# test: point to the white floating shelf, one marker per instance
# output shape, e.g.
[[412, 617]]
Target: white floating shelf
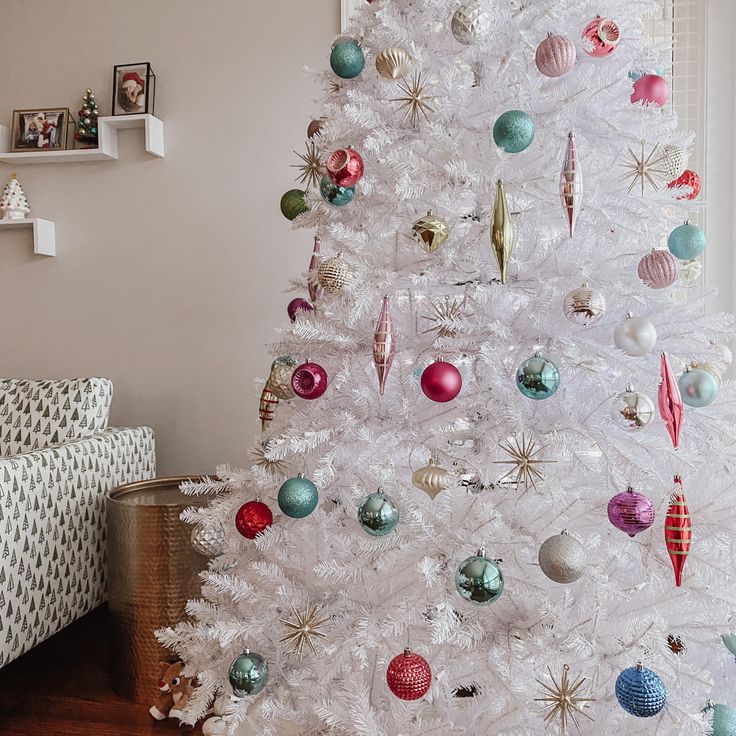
[[44, 234], [107, 128]]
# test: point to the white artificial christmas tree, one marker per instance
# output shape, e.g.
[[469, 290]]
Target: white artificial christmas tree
[[13, 201], [467, 112]]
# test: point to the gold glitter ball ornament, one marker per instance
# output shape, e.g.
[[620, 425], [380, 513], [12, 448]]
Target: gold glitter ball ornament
[[334, 274], [584, 305], [394, 63], [430, 231]]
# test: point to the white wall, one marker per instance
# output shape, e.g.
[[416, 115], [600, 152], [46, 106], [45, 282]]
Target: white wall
[[169, 272]]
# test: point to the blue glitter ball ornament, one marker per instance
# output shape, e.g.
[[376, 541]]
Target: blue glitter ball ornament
[[537, 377], [724, 720], [640, 691], [479, 580], [378, 514], [347, 59], [686, 242], [248, 674], [335, 195], [513, 131], [298, 497], [698, 387]]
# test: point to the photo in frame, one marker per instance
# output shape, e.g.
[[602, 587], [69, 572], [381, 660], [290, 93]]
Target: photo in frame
[[133, 89], [42, 129]]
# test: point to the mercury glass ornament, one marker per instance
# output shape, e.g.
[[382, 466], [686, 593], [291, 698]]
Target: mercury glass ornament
[[513, 131], [632, 410], [562, 558], [430, 231], [537, 377], [584, 305], [640, 691], [334, 274], [471, 23], [698, 387], [686, 241], [279, 381], [636, 336], [334, 194], [479, 580], [208, 539], [298, 497], [293, 204], [394, 63], [432, 478], [347, 58], [248, 674], [378, 514]]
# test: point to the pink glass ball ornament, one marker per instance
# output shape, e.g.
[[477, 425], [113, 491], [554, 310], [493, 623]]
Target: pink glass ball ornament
[[345, 167], [659, 269], [651, 89], [555, 56], [309, 380], [441, 381], [631, 512], [298, 305], [601, 36]]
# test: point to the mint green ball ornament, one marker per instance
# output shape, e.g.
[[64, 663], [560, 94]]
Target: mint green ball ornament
[[293, 204], [698, 387], [686, 241], [513, 131], [336, 195], [537, 377], [479, 580], [347, 59], [378, 514], [298, 497], [248, 674], [724, 720]]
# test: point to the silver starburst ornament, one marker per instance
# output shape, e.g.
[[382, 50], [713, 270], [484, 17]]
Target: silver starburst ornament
[[414, 99], [304, 628], [311, 169], [564, 700], [571, 184], [645, 168], [524, 457]]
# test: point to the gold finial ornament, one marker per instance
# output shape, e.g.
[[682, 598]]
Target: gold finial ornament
[[502, 231]]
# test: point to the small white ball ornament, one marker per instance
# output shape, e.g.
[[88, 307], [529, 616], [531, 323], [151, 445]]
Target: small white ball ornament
[[562, 558], [636, 336]]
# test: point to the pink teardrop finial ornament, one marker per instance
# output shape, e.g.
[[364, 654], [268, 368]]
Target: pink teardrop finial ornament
[[670, 401], [571, 184], [315, 290], [384, 345]]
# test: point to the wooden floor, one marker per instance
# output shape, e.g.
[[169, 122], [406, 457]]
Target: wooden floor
[[61, 688]]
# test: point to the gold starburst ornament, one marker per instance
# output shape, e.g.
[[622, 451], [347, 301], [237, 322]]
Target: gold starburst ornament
[[414, 99], [303, 628], [524, 458], [261, 458], [311, 169], [645, 168], [565, 699], [444, 316]]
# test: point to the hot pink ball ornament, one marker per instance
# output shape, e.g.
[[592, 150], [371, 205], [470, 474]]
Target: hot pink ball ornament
[[441, 381], [659, 269], [601, 36], [686, 186], [345, 167], [298, 305], [555, 56], [650, 89], [309, 380], [631, 512]]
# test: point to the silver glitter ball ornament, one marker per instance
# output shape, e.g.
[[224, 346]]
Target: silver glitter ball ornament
[[562, 558], [208, 540], [584, 306], [471, 23], [632, 410]]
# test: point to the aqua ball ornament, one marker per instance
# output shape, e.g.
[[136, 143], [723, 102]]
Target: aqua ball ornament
[[640, 692], [334, 194], [248, 674], [298, 497], [347, 59], [686, 242], [479, 580], [724, 720], [378, 514], [513, 131], [698, 387], [538, 377]]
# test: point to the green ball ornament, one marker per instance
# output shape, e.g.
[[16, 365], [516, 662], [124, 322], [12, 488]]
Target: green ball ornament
[[248, 674], [298, 497], [293, 204], [724, 720], [513, 131], [698, 387], [479, 580], [347, 59], [378, 514], [686, 242], [538, 377]]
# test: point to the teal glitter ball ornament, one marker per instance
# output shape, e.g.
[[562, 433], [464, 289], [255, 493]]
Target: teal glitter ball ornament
[[686, 242], [513, 131], [640, 691], [698, 387], [293, 204], [723, 721], [538, 377], [378, 514], [298, 497], [479, 580], [248, 674], [334, 194], [347, 59]]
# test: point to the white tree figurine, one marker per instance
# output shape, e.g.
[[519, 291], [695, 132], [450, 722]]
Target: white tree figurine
[[13, 201]]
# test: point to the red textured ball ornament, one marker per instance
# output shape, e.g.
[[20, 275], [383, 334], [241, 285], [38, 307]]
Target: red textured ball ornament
[[651, 89], [409, 676], [686, 186], [252, 518], [345, 167], [309, 381], [441, 381]]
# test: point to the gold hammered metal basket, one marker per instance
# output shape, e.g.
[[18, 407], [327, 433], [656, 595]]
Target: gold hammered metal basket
[[152, 570]]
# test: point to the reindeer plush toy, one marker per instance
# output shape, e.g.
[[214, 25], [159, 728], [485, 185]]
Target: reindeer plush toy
[[174, 692]]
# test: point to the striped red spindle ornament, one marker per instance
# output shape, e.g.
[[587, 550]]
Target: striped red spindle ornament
[[678, 530]]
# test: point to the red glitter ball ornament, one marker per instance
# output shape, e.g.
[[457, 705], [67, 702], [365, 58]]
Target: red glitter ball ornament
[[345, 167], [252, 518], [687, 186], [409, 676], [441, 381], [309, 381]]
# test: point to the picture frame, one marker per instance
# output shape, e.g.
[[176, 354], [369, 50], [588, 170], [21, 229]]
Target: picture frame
[[40, 129], [133, 89]]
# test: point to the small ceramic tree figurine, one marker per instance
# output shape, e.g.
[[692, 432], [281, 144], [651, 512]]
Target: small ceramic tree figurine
[[86, 131], [13, 202]]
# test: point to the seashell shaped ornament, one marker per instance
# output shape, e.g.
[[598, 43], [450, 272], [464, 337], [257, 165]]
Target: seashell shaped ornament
[[471, 23], [584, 306], [432, 479], [334, 274], [394, 63], [659, 269], [555, 56]]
